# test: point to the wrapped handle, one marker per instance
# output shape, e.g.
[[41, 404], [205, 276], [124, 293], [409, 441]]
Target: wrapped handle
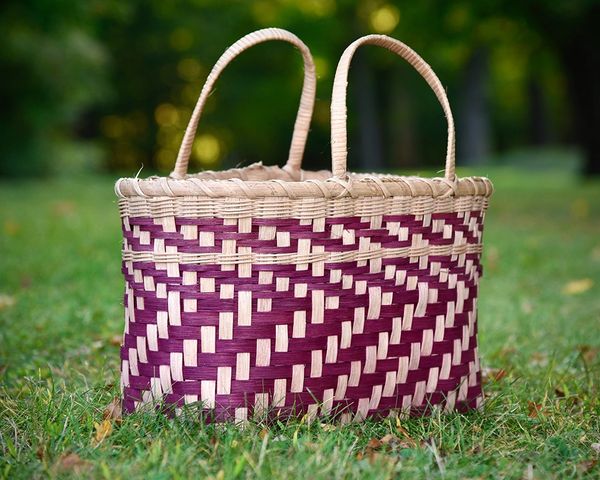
[[339, 136], [305, 110]]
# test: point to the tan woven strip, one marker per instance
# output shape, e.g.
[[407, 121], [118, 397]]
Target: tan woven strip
[[295, 259], [339, 150], [362, 186], [301, 208], [305, 110]]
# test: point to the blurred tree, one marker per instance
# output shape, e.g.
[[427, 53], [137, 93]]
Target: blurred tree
[[571, 28], [53, 68], [474, 121], [124, 76]]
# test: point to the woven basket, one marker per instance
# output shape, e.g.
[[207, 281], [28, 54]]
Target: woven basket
[[267, 289]]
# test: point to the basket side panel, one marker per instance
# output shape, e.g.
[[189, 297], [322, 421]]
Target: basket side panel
[[352, 315]]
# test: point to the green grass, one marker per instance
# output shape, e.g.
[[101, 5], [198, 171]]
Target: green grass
[[60, 269]]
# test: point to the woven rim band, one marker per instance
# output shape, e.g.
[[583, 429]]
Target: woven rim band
[[305, 110]]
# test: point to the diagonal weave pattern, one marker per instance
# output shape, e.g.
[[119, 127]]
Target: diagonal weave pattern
[[365, 314]]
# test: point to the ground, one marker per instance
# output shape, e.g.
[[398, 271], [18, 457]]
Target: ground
[[61, 315]]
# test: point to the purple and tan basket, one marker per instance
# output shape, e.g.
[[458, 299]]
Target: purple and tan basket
[[267, 289]]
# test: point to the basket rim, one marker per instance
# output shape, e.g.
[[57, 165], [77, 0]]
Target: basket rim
[[278, 182]]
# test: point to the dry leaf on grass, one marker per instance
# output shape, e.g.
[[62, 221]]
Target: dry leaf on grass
[[71, 462], [539, 359], [328, 427], [535, 409], [390, 439], [113, 411], [586, 466], [580, 208], [11, 228], [116, 340], [6, 301], [394, 442], [492, 374], [374, 443], [63, 208], [575, 287], [492, 257], [103, 430], [387, 442], [40, 453], [406, 436], [526, 307], [588, 352]]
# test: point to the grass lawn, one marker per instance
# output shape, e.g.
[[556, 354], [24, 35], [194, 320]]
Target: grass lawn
[[60, 311]]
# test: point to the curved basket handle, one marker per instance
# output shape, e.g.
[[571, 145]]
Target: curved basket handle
[[305, 110], [339, 134]]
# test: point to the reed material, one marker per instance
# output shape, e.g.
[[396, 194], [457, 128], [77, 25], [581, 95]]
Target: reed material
[[267, 289]]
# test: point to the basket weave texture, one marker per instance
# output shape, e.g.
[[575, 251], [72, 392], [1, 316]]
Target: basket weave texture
[[267, 289]]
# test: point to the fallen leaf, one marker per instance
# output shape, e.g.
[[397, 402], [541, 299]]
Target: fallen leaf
[[492, 374], [394, 442], [587, 466], [11, 228], [40, 453], [402, 431], [539, 359], [588, 352], [535, 409], [113, 411], [374, 456], [526, 307], [374, 443], [71, 462], [328, 427], [575, 287], [359, 456], [595, 447], [506, 352], [580, 208], [103, 430], [63, 208], [492, 256], [6, 301], [116, 340], [560, 393]]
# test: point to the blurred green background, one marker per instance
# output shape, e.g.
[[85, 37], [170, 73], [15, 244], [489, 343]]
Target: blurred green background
[[101, 85]]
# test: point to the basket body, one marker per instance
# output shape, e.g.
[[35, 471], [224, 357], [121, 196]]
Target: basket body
[[362, 306], [278, 290]]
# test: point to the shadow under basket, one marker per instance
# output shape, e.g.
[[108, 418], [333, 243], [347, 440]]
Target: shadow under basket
[[281, 291]]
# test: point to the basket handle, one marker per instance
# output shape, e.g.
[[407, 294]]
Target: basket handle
[[339, 135], [305, 110]]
